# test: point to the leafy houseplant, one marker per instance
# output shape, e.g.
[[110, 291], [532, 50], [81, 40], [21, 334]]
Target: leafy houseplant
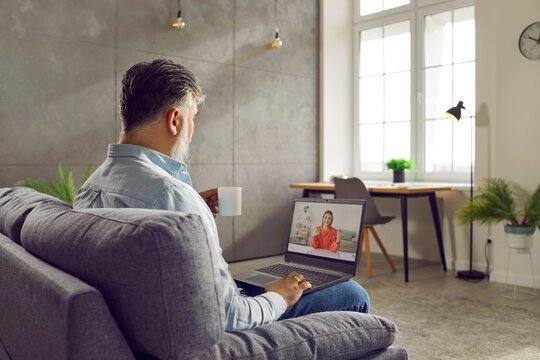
[[496, 204], [398, 166], [63, 188]]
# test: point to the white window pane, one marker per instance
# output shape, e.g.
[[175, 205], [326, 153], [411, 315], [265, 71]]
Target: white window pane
[[370, 6], [438, 39], [464, 89], [397, 97], [390, 4], [438, 146], [438, 89], [397, 47], [464, 34], [371, 100], [371, 52], [462, 145], [371, 148], [397, 141]]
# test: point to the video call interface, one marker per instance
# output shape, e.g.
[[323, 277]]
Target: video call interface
[[326, 229]]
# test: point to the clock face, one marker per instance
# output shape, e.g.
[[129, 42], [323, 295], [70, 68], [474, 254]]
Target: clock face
[[529, 41]]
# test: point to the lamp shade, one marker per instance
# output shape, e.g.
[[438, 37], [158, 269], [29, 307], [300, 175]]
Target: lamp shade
[[454, 113]]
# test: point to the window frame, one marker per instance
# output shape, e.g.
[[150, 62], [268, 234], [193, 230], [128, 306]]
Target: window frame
[[415, 13]]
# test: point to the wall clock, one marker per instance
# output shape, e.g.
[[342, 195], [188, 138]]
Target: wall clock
[[529, 41]]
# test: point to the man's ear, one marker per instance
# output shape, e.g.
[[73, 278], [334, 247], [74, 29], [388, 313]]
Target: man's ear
[[174, 121]]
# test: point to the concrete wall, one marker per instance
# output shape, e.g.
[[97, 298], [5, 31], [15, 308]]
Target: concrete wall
[[62, 62]]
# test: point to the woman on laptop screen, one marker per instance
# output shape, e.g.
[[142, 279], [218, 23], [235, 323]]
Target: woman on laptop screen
[[325, 236]]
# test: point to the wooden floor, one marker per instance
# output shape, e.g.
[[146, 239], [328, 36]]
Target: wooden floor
[[422, 275]]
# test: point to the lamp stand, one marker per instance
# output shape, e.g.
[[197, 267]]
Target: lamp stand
[[471, 274]]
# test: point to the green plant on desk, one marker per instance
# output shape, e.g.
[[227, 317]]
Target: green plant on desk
[[63, 188], [399, 164]]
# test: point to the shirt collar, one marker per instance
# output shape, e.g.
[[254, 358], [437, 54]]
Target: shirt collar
[[174, 168]]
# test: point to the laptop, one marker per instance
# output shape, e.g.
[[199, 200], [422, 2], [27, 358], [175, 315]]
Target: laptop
[[319, 258]]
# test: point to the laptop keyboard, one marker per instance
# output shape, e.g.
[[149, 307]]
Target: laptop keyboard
[[314, 277]]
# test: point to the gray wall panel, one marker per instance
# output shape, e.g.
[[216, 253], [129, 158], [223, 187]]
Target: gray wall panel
[[55, 104], [264, 226], [299, 31], [208, 35], [65, 19], [275, 118]]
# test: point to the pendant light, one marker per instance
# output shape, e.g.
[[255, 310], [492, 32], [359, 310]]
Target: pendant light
[[178, 23], [276, 43]]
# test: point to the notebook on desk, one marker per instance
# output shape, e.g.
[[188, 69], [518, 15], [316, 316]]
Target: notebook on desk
[[324, 253]]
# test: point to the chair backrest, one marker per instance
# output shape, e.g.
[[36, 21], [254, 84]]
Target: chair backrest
[[354, 188]]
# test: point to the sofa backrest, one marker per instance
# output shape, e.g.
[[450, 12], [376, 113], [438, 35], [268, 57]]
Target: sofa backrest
[[156, 270], [48, 314], [15, 205]]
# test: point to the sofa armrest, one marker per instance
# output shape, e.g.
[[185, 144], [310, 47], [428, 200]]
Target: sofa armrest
[[335, 335]]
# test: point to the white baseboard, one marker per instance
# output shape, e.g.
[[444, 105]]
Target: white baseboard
[[496, 275], [464, 265], [519, 279]]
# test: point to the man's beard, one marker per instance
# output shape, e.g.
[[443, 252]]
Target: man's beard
[[180, 150]]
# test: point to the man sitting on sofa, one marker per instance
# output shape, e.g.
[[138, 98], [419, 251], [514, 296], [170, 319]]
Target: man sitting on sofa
[[147, 169]]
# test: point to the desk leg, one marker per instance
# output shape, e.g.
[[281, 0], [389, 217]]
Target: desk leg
[[405, 235], [436, 221]]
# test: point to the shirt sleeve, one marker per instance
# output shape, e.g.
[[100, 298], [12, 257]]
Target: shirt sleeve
[[246, 312], [241, 312], [315, 240], [334, 246]]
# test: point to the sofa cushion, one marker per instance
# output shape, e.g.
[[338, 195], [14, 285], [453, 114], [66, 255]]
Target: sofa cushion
[[15, 205], [325, 335], [156, 270], [48, 314]]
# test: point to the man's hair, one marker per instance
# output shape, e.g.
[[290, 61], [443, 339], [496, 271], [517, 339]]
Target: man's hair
[[151, 88]]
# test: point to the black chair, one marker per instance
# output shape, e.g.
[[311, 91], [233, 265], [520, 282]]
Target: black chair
[[354, 188]]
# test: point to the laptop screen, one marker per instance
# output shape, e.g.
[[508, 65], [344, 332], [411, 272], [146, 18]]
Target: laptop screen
[[326, 229]]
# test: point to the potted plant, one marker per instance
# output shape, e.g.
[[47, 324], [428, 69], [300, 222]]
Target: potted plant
[[399, 166], [496, 204], [63, 189]]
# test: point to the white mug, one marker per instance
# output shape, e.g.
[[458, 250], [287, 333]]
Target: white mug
[[230, 201]]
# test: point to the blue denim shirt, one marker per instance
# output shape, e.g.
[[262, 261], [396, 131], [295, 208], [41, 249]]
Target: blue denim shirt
[[138, 177]]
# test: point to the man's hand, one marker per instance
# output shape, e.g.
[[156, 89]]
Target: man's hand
[[211, 199], [290, 288]]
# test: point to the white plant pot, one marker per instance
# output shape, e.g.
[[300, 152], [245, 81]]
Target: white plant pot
[[518, 238]]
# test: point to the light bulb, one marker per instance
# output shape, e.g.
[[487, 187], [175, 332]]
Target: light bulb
[[276, 43], [179, 23]]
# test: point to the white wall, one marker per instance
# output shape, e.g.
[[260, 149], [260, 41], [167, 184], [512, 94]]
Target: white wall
[[335, 88], [508, 93], [508, 121]]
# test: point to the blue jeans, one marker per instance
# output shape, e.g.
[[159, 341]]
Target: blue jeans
[[345, 296]]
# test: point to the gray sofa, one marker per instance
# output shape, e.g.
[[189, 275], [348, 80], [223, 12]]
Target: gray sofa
[[141, 284]]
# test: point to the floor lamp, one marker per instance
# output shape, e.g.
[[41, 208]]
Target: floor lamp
[[454, 114]]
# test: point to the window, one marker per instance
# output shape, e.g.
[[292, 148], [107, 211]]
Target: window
[[368, 7], [384, 94], [402, 94]]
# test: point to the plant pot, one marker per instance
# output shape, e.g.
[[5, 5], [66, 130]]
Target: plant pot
[[518, 238], [399, 176]]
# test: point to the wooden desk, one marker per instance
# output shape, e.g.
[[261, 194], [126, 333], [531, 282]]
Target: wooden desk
[[403, 193]]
